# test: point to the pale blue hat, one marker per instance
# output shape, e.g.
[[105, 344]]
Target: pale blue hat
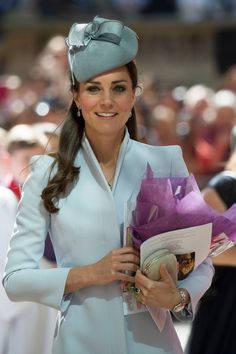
[[99, 46]]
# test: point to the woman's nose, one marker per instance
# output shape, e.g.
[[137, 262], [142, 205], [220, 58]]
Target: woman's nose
[[107, 99]]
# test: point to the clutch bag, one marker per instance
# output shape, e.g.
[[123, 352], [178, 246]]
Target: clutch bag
[[151, 264]]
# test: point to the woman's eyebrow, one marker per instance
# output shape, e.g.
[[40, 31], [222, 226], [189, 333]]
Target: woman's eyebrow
[[93, 82], [118, 81]]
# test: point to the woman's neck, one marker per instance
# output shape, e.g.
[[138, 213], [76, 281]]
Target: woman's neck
[[106, 150], [106, 147]]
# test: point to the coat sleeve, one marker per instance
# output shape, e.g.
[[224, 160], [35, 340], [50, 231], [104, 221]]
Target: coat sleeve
[[23, 279]]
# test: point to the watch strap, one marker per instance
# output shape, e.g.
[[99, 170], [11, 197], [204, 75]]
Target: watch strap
[[183, 300]]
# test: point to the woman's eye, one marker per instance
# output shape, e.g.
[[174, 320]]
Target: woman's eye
[[93, 89], [119, 88]]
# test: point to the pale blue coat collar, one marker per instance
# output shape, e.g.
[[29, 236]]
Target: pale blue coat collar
[[93, 162]]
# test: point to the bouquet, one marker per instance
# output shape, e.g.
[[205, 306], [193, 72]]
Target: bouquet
[[170, 214], [175, 203]]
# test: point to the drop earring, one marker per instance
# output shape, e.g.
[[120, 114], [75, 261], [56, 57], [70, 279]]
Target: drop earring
[[130, 114], [78, 113]]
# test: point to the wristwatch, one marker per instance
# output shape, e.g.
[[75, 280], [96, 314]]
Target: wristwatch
[[183, 300]]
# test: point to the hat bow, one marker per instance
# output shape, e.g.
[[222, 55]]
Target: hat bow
[[99, 29]]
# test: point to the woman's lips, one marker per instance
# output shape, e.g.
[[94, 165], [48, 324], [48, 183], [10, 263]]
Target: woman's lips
[[108, 115]]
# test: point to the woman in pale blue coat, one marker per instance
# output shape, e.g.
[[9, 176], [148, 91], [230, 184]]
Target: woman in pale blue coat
[[79, 196]]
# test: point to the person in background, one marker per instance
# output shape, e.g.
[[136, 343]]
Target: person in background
[[22, 142], [199, 155], [219, 129], [9, 311], [3, 154], [51, 130], [78, 195], [213, 327], [164, 124], [23, 319]]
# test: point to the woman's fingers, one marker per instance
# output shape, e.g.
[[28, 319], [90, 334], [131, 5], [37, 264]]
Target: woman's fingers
[[118, 264], [161, 293], [131, 267], [126, 258], [126, 250]]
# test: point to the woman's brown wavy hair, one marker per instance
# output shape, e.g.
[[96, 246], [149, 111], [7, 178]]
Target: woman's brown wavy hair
[[69, 145]]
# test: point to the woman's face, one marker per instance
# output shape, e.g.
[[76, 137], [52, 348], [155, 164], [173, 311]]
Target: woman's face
[[106, 101]]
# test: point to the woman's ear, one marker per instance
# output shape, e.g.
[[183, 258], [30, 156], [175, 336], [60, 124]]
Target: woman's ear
[[76, 98], [77, 102]]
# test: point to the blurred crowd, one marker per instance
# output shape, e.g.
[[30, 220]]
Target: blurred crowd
[[190, 10], [198, 118]]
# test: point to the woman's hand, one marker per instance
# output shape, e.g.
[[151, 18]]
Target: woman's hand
[[162, 293], [118, 264]]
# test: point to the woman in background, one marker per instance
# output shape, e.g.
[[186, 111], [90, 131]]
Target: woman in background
[[213, 329]]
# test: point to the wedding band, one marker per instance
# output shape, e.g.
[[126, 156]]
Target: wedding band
[[137, 291]]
